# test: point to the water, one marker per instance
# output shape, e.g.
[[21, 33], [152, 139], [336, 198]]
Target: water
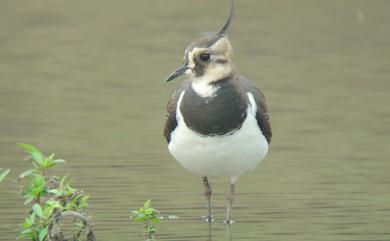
[[84, 79]]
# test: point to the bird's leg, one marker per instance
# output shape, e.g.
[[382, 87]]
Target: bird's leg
[[207, 193], [230, 199]]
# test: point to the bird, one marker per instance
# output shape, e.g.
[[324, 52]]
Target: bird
[[217, 120]]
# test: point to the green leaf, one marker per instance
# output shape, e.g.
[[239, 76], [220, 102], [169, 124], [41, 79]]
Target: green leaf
[[49, 207], [37, 186], [83, 202], [54, 191], [62, 182], [50, 158], [147, 204], [28, 200], [47, 163], [28, 222], [58, 161], [138, 217], [38, 181], [69, 190], [156, 220], [37, 210], [47, 211], [27, 148], [42, 234], [53, 203], [34, 152], [84, 198], [3, 174], [25, 174], [77, 198], [26, 233]]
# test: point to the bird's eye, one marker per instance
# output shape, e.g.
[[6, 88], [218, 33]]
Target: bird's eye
[[205, 57]]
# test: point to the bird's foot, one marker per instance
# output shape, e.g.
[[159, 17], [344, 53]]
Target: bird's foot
[[228, 222], [208, 219]]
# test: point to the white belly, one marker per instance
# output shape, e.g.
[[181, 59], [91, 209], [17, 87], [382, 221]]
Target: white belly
[[229, 155]]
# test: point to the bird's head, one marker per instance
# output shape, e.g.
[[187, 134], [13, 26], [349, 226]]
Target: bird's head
[[209, 58]]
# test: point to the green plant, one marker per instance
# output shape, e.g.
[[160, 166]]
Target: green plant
[[3, 174], [49, 197], [147, 215]]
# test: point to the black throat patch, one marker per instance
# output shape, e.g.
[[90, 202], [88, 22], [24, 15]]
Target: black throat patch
[[217, 115]]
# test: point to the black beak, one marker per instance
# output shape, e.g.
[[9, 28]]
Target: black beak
[[179, 72]]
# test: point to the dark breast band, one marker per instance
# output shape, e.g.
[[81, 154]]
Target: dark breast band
[[214, 116]]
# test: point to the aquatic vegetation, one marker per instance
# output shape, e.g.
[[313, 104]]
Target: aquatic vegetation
[[3, 174], [51, 198], [147, 215]]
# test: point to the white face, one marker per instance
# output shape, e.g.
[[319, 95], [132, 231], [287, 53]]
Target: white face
[[210, 64]]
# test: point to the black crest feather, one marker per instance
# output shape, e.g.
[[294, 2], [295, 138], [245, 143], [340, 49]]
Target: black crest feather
[[229, 20]]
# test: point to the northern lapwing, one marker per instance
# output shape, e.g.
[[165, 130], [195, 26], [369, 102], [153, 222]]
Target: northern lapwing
[[217, 121]]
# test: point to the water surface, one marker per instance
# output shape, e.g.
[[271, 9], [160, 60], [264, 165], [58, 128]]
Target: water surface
[[85, 79]]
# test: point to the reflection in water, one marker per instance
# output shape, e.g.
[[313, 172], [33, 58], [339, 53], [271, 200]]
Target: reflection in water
[[209, 231], [229, 236], [229, 232]]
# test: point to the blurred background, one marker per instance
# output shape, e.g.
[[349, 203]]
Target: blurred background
[[85, 79]]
